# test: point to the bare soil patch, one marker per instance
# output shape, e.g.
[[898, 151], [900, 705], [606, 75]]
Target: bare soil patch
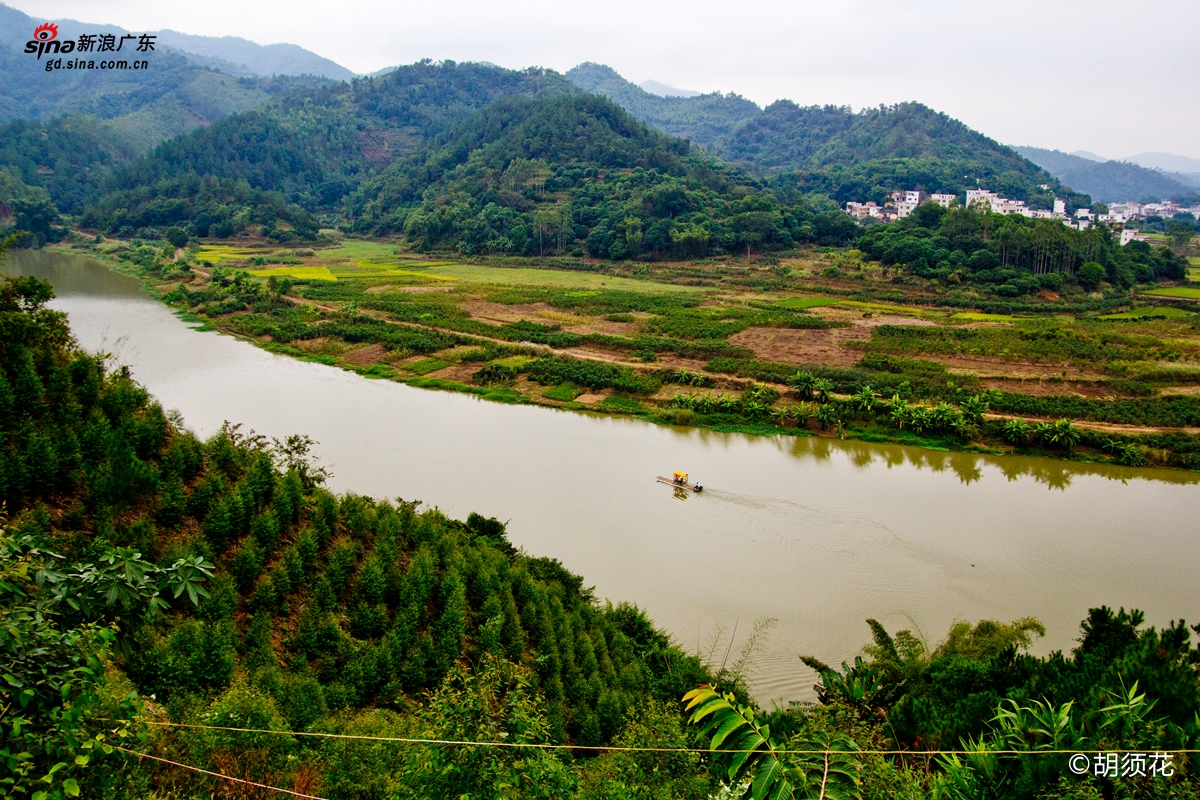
[[1180, 390], [590, 398], [812, 346], [800, 346], [1041, 388], [455, 372], [988, 366], [368, 354]]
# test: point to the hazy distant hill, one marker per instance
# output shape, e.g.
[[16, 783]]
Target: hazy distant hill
[[832, 150], [269, 59], [666, 90], [1108, 181], [705, 119], [1167, 162], [147, 106]]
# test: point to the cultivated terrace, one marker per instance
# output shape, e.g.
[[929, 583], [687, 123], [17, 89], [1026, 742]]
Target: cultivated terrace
[[811, 341]]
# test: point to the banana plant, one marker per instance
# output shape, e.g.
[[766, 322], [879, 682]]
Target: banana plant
[[1016, 430], [804, 385], [814, 768], [822, 388], [865, 399]]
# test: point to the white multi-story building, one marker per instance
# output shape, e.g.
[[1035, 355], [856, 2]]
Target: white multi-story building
[[943, 200], [980, 196], [1060, 207]]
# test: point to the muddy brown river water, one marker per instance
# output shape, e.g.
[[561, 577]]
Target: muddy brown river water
[[818, 534]]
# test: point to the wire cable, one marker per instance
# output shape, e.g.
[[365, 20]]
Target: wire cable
[[219, 775], [624, 749]]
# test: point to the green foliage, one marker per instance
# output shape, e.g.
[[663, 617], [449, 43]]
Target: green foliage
[[1012, 255], [535, 176], [816, 767]]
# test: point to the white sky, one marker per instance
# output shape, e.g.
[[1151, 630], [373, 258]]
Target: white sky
[[1116, 78]]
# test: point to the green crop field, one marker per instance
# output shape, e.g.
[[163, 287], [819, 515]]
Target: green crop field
[[1149, 311], [806, 302], [300, 272], [1176, 291], [971, 316]]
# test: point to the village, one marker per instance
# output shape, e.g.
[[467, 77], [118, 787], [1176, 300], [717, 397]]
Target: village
[[1118, 215]]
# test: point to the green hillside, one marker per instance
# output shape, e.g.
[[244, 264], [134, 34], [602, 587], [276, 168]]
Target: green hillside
[[307, 150], [532, 176], [832, 151]]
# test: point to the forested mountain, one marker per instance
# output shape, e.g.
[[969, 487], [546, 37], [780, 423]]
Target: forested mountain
[[535, 175], [832, 151], [309, 149], [1108, 181]]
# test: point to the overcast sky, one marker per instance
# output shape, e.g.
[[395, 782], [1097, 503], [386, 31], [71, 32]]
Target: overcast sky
[[1116, 78]]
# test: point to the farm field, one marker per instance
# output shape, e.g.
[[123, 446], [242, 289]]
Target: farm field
[[759, 347]]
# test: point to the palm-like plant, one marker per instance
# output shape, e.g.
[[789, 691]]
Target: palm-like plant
[[973, 408], [865, 399], [901, 414], [827, 415], [727, 403], [940, 416], [823, 767], [804, 384], [1063, 434], [822, 388], [754, 409], [1016, 430]]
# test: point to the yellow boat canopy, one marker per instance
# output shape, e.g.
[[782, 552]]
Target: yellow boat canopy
[[681, 476]]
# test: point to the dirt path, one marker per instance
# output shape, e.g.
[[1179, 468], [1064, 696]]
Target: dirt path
[[1107, 427]]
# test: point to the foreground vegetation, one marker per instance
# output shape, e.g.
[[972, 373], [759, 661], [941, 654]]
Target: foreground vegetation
[[160, 595]]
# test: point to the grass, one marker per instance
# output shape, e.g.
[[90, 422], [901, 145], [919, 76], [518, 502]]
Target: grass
[[566, 392], [1176, 291], [526, 276], [806, 302], [913, 310], [299, 272], [972, 316], [621, 404], [1149, 311]]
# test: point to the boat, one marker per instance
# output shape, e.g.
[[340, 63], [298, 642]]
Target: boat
[[680, 480]]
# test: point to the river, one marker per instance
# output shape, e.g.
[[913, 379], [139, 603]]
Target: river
[[819, 534]]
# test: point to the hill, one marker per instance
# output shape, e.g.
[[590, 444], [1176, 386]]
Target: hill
[[705, 120], [1108, 181], [530, 176], [310, 148], [259, 59], [143, 107], [832, 151]]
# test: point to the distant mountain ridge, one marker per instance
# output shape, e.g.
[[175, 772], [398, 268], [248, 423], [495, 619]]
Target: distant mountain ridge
[[1109, 181], [229, 52], [830, 149]]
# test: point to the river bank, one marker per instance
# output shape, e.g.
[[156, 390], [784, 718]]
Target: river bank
[[681, 355]]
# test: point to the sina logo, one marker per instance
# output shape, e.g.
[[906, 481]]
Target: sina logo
[[45, 32]]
